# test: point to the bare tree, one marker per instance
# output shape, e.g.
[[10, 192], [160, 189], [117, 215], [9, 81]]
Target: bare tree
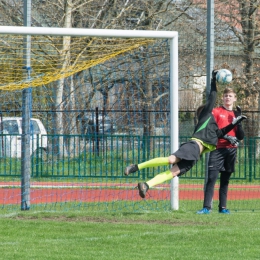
[[242, 17], [187, 17]]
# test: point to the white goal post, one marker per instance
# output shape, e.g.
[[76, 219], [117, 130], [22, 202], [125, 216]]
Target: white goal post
[[173, 41]]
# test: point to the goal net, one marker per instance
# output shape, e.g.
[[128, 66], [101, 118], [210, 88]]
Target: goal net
[[100, 100]]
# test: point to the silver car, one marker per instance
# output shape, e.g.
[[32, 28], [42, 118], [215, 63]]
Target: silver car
[[105, 125]]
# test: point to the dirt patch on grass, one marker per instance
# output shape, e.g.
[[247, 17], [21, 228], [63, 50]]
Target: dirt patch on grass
[[93, 219]]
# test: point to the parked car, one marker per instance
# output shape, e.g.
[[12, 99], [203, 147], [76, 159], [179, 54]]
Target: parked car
[[105, 125], [11, 136]]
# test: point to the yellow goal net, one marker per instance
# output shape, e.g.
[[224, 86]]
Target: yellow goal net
[[53, 58]]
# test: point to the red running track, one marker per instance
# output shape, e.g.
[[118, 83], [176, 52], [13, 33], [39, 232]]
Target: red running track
[[96, 192]]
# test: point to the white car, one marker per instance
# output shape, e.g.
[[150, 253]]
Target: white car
[[11, 137]]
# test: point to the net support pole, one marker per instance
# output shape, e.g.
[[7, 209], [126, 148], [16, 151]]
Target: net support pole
[[210, 42], [26, 115], [210, 64], [174, 115]]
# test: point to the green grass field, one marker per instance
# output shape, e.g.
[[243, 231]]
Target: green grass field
[[128, 235]]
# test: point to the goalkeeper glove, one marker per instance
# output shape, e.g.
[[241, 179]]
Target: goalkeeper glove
[[232, 139], [214, 73], [238, 120], [238, 112]]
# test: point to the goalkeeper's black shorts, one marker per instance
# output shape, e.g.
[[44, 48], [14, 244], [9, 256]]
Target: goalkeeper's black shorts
[[223, 159], [189, 153]]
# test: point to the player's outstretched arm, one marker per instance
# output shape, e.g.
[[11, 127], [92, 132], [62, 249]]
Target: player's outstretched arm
[[213, 93], [223, 131]]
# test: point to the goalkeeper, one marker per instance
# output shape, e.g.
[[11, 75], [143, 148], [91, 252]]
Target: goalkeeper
[[204, 139], [223, 159]]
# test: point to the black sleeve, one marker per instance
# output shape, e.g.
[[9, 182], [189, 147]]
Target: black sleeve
[[223, 131], [240, 132], [212, 97]]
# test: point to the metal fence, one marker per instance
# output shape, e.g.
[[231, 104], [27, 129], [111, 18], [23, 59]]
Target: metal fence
[[107, 156]]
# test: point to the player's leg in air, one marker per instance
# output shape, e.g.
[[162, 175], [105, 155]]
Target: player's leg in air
[[159, 178], [182, 160], [159, 161]]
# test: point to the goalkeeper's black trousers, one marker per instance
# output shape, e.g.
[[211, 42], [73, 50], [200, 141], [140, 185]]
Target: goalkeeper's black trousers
[[223, 189], [221, 160]]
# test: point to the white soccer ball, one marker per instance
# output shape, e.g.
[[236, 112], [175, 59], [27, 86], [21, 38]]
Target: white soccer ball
[[224, 76]]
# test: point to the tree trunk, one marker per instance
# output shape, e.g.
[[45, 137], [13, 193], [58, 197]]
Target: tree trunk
[[65, 59]]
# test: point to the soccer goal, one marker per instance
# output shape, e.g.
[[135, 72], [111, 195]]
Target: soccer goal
[[106, 97]]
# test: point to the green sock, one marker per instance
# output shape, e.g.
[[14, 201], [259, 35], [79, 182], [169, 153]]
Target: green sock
[[159, 161], [160, 178]]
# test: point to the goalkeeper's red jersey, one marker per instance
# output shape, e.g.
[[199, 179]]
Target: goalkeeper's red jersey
[[224, 117]]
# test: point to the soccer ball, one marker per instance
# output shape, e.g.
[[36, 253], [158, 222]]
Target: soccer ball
[[224, 76]]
